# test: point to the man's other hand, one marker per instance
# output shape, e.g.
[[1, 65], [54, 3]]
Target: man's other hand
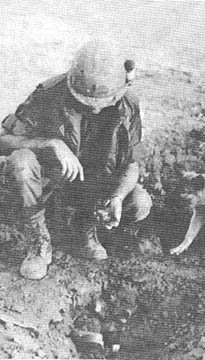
[[111, 214], [71, 166]]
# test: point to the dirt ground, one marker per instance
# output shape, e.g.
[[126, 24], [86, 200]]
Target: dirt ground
[[142, 303]]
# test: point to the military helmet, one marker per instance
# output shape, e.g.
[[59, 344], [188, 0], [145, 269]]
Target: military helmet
[[98, 74]]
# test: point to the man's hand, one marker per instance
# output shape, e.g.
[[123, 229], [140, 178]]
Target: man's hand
[[71, 166], [110, 216]]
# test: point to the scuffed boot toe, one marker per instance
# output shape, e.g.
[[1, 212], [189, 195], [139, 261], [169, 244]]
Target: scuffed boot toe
[[93, 249], [94, 252], [34, 268]]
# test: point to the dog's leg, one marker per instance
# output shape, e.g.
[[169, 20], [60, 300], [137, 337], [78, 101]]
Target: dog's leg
[[195, 225]]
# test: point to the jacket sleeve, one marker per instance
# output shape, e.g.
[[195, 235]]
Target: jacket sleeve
[[136, 150], [28, 117]]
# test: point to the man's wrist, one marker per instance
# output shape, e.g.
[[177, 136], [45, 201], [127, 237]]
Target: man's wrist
[[49, 143], [118, 196]]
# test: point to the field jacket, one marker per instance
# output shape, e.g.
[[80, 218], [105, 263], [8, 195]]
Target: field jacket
[[105, 141]]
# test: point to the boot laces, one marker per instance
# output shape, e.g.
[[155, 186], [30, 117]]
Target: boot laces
[[37, 237], [91, 233]]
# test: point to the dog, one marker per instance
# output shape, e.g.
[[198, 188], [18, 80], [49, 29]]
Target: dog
[[195, 193]]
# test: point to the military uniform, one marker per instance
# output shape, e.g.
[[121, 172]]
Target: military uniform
[[104, 143], [92, 110]]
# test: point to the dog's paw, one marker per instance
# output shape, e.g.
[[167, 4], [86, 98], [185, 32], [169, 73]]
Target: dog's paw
[[178, 250]]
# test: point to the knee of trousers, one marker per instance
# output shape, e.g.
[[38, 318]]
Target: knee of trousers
[[141, 203], [22, 165]]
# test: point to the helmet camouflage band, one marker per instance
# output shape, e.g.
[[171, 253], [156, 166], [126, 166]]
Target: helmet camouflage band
[[98, 76]]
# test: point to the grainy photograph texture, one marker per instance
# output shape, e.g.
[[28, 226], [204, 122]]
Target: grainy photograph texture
[[102, 179]]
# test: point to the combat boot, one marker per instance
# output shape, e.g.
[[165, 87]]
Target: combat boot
[[39, 254], [92, 248]]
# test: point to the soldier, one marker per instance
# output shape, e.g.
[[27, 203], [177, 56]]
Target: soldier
[[80, 131]]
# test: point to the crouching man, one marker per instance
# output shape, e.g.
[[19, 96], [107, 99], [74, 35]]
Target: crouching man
[[80, 131]]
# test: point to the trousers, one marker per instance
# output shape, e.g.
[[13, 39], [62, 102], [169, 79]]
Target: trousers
[[33, 181]]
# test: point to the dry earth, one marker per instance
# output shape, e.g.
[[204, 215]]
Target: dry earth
[[151, 304]]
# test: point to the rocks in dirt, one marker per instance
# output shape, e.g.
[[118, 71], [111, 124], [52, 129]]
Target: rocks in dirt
[[66, 350], [173, 346], [20, 355], [195, 354], [87, 323], [26, 342], [126, 315], [88, 342], [25, 306], [44, 310], [83, 337], [15, 319], [99, 306], [202, 342], [115, 348], [198, 352], [150, 246]]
